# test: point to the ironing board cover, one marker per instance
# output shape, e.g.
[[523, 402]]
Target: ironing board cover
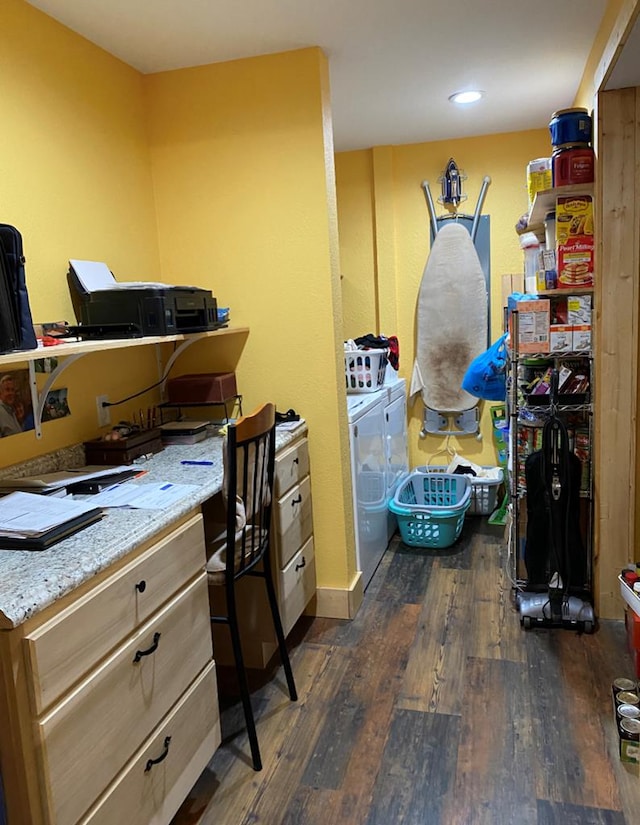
[[451, 321]]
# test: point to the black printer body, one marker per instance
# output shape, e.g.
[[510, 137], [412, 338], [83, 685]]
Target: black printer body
[[155, 309]]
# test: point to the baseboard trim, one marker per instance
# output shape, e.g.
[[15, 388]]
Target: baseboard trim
[[338, 602]]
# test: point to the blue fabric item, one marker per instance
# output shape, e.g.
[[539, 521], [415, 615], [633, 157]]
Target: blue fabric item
[[486, 374], [513, 299]]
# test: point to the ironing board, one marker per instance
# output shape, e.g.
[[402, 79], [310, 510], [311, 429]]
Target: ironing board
[[452, 316], [451, 321]]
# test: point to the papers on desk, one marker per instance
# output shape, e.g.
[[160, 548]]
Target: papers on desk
[[35, 522], [150, 496], [50, 482]]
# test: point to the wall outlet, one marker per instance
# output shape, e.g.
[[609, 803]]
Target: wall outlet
[[104, 414]]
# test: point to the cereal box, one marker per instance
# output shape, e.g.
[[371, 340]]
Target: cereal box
[[574, 241]]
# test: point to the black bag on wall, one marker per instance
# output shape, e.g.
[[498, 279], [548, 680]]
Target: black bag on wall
[[16, 325]]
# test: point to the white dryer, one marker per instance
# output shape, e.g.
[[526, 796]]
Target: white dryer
[[378, 440]]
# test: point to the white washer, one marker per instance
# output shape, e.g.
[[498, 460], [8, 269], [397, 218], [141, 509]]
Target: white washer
[[377, 436]]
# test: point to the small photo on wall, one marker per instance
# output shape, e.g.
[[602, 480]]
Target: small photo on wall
[[56, 405], [16, 411]]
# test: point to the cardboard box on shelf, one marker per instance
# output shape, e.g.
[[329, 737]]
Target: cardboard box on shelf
[[560, 338], [533, 324], [203, 388], [581, 337], [579, 310]]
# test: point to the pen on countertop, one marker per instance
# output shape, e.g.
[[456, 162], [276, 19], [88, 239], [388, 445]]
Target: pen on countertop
[[203, 463]]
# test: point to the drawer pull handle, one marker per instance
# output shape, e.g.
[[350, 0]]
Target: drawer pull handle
[[296, 501], [296, 461], [141, 586], [302, 564], [163, 755], [148, 651]]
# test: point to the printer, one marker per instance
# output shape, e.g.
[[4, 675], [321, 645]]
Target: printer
[[148, 308]]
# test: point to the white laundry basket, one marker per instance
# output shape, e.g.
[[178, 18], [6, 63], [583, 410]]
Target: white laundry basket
[[364, 369], [484, 491]]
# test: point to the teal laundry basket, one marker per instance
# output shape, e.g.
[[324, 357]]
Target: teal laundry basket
[[430, 508]]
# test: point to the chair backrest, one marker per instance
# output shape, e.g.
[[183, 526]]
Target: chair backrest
[[250, 463]]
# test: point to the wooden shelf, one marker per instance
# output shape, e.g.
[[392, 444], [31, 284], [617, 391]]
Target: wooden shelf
[[84, 347], [546, 201], [566, 291], [536, 228], [67, 353]]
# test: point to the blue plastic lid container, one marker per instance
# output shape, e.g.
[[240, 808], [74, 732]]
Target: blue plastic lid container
[[570, 126]]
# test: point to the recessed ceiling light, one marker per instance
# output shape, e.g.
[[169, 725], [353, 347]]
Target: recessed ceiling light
[[466, 97]]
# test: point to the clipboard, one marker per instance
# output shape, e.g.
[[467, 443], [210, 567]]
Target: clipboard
[[51, 537]]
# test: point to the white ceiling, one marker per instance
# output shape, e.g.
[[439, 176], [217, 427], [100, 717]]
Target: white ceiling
[[392, 63]]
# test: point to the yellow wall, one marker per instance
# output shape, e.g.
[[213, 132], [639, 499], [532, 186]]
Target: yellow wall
[[242, 160], [76, 181], [356, 216], [238, 160], [222, 176], [384, 241]]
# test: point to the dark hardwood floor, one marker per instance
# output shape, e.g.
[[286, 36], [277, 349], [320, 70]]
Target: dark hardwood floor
[[431, 707]]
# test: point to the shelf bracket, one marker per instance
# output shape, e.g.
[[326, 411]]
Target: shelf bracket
[[173, 358], [39, 398]]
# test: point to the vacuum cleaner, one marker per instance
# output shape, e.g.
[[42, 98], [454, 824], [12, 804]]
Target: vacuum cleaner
[[556, 594]]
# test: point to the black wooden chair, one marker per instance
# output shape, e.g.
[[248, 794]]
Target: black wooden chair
[[243, 548]]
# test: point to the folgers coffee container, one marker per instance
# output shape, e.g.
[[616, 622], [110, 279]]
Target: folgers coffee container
[[572, 164], [570, 126]]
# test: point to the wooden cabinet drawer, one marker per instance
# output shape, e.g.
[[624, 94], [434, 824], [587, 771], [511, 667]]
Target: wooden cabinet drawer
[[292, 464], [65, 648], [297, 585], [146, 794], [293, 521], [98, 726]]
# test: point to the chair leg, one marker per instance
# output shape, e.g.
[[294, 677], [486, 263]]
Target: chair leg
[[277, 623], [242, 681]]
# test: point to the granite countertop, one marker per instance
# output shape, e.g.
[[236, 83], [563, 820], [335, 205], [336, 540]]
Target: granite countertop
[[32, 580]]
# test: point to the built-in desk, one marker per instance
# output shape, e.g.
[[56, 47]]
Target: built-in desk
[[108, 696]]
